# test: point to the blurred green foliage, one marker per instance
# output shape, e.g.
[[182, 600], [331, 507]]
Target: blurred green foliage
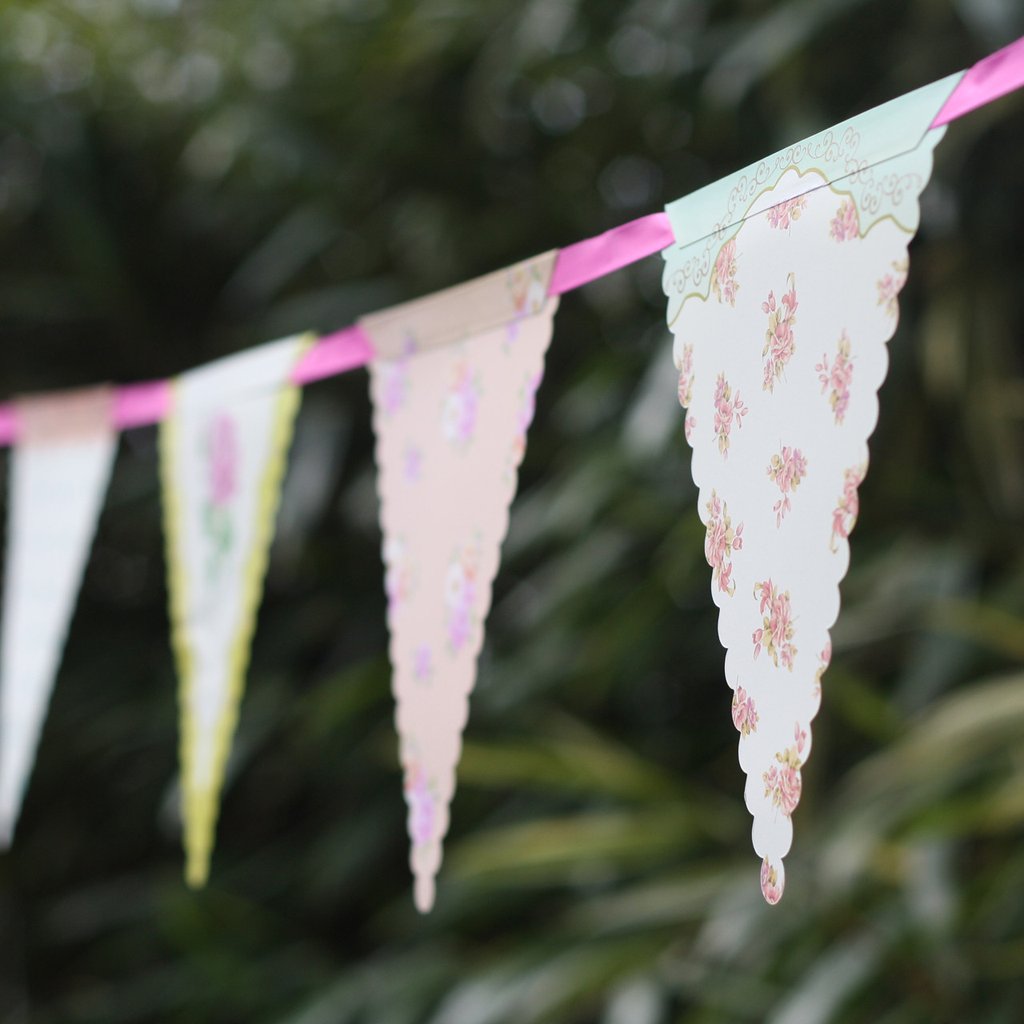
[[182, 178]]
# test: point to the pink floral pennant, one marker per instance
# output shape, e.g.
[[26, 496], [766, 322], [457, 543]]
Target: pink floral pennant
[[781, 309], [453, 395]]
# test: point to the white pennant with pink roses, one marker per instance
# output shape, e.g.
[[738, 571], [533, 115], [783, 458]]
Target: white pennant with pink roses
[[781, 307]]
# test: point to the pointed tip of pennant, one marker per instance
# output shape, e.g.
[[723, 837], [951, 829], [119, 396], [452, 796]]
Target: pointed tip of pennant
[[424, 892], [6, 834], [200, 817]]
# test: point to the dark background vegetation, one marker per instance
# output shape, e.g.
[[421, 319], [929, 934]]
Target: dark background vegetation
[[180, 179]]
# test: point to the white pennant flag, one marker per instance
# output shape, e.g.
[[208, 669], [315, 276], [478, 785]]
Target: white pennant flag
[[453, 395], [59, 471], [223, 450], [782, 296]]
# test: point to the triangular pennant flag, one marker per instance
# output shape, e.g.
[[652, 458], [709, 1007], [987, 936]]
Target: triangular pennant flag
[[453, 390], [59, 471], [223, 449], [782, 295]]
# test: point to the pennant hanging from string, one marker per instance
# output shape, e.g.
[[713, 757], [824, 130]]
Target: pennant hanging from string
[[59, 473], [782, 294], [453, 390], [223, 448]]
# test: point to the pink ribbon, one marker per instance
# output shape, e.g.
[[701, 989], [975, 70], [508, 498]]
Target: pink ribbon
[[337, 353], [995, 76], [139, 404], [135, 405], [588, 260]]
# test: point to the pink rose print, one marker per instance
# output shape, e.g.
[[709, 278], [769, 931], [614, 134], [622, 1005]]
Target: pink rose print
[[395, 382], [844, 517], [223, 459], [744, 712], [779, 342], [890, 286], [845, 224], [782, 782], [527, 291], [723, 274], [720, 542], [787, 469], [823, 662], [423, 664], [527, 408], [685, 367], [422, 804], [458, 418], [689, 425], [772, 883], [222, 456], [777, 631], [839, 377], [729, 410], [413, 464], [460, 597], [782, 215], [397, 575]]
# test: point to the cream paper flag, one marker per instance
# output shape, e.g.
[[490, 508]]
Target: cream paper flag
[[59, 471], [223, 449], [453, 390], [782, 293]]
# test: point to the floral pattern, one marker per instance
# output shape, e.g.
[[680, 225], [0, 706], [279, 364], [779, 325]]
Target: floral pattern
[[812, 245], [782, 781], [723, 274], [685, 368], [461, 407], [729, 412], [395, 380], [890, 286], [777, 630], [744, 712], [772, 882], [222, 460], [720, 542], [460, 595], [844, 517], [397, 573], [838, 377], [422, 802], [783, 215], [787, 468], [846, 223], [779, 341]]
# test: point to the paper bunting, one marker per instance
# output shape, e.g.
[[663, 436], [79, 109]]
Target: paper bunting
[[451, 427], [781, 308], [222, 452], [58, 477]]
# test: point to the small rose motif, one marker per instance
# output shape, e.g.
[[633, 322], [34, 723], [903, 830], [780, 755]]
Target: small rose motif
[[773, 882], [787, 468], [780, 342], [782, 215], [723, 274], [838, 377], [729, 412], [844, 517], [720, 542], [744, 712], [845, 224], [777, 630]]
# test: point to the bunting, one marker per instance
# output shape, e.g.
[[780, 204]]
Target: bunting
[[453, 390], [223, 448], [59, 473]]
